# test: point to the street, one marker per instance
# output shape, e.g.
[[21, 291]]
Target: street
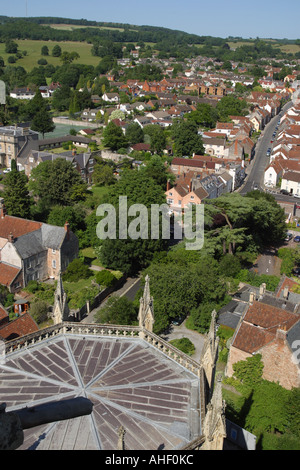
[[255, 173]]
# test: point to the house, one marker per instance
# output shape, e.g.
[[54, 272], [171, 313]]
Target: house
[[273, 173], [82, 162], [142, 121], [111, 97], [269, 330], [15, 141], [214, 146], [24, 93], [186, 191], [291, 182], [91, 114], [32, 250]]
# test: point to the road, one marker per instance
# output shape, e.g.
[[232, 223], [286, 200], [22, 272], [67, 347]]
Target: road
[[255, 173], [129, 289]]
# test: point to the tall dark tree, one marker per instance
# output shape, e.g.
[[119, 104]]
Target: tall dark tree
[[41, 120], [16, 195], [53, 182], [186, 139]]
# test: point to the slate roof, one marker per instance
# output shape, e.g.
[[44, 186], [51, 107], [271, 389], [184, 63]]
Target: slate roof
[[129, 382]]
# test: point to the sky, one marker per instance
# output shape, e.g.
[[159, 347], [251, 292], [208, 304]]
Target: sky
[[219, 18]]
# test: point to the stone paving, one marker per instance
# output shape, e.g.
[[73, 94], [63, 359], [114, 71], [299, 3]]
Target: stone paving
[[130, 383]]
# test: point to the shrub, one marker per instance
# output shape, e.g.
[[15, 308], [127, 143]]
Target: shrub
[[39, 311], [105, 278], [77, 270], [184, 344]]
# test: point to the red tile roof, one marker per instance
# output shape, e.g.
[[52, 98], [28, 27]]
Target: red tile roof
[[3, 314], [8, 274], [16, 226], [260, 325], [22, 326]]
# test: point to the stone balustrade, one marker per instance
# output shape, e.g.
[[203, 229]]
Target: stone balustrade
[[105, 330]]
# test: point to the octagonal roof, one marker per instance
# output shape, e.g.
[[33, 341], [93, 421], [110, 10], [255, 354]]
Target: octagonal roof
[[130, 382]]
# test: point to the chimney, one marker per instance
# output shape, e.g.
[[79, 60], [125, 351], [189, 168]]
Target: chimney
[[262, 289], [281, 333], [251, 297], [168, 185], [191, 186], [11, 238], [74, 152], [67, 229], [286, 292], [2, 211]]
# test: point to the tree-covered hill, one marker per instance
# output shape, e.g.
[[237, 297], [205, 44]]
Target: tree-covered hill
[[40, 28]]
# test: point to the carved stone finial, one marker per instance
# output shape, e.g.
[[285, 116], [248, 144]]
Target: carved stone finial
[[146, 315]]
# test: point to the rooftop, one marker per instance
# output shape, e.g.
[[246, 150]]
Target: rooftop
[[130, 382]]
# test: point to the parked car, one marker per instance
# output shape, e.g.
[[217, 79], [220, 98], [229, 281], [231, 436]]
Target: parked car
[[296, 195], [296, 271], [288, 237], [255, 187], [7, 170], [297, 239], [284, 191]]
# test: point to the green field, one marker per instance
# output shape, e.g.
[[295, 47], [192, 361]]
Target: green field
[[33, 49]]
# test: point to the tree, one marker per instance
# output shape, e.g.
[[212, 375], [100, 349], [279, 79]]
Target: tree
[[129, 255], [69, 57], [157, 138], [37, 112], [52, 181], [45, 50], [105, 278], [56, 51], [186, 139], [117, 311], [205, 115], [113, 137], [134, 133], [76, 271], [16, 195], [61, 98], [11, 47], [59, 215], [103, 175], [42, 122]]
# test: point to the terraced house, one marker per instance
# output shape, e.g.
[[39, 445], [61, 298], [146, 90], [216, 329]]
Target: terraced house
[[32, 250]]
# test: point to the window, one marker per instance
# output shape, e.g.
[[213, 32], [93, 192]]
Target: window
[[53, 251], [53, 263]]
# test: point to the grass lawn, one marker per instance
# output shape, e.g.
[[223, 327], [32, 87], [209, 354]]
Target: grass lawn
[[33, 49], [100, 191], [77, 286]]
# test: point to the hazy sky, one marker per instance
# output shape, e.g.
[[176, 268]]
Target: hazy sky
[[222, 18]]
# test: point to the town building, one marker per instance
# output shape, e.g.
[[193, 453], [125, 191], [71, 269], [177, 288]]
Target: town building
[[15, 142], [33, 251]]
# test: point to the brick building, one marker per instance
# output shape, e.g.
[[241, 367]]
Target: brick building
[[32, 250], [270, 326]]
